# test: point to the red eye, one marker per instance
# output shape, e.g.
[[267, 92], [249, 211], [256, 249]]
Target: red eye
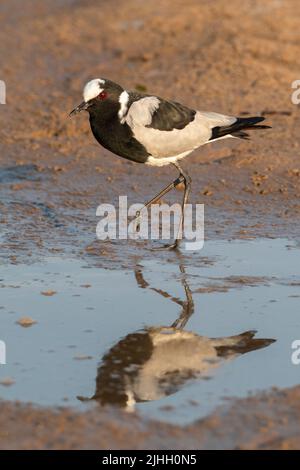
[[102, 95]]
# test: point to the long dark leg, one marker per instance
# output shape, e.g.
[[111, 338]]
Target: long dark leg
[[187, 188], [187, 306], [164, 191], [182, 178]]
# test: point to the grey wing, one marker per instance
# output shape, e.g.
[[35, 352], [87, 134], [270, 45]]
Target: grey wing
[[171, 115], [157, 113], [167, 129]]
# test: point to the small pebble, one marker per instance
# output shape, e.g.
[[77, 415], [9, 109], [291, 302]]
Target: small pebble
[[26, 322]]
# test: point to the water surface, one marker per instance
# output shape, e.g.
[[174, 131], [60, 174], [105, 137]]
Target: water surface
[[170, 340]]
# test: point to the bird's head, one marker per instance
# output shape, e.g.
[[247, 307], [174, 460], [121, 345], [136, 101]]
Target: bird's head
[[102, 96]]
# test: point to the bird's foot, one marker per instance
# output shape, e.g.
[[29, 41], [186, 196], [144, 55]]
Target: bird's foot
[[172, 246]]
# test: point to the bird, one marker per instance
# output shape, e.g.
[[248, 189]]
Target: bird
[[145, 128]]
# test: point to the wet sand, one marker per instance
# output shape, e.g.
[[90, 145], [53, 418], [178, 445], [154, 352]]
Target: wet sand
[[266, 421], [238, 58]]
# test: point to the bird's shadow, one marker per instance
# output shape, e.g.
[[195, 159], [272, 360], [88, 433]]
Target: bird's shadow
[[157, 361]]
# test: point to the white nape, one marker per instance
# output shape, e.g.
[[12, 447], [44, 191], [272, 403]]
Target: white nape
[[123, 100]]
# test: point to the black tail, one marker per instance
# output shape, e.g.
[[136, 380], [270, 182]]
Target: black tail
[[238, 127], [246, 343]]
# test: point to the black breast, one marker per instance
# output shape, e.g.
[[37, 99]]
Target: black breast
[[118, 138]]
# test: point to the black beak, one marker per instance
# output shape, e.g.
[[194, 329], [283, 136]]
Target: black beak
[[82, 107]]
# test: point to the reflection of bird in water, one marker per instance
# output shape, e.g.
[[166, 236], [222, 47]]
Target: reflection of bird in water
[[155, 362]]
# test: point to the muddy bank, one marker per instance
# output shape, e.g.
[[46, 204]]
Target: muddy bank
[[265, 421]]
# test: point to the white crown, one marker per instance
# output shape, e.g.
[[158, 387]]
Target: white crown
[[92, 89]]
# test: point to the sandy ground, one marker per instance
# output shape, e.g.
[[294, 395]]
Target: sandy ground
[[231, 57]]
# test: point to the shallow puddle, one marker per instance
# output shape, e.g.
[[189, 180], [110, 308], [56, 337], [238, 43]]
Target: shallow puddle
[[170, 340]]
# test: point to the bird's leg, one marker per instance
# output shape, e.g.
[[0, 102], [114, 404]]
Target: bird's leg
[[187, 306], [182, 178], [187, 188], [164, 191]]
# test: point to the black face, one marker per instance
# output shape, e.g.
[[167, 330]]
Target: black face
[[105, 103]]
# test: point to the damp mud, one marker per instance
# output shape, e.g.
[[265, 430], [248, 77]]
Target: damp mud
[[135, 347]]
